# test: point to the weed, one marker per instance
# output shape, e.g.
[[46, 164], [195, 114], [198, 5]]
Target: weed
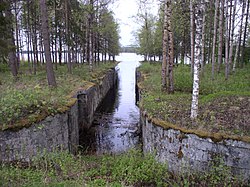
[[129, 169]]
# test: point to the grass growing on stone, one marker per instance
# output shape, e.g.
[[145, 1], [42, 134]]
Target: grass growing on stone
[[129, 169], [29, 97], [224, 106]]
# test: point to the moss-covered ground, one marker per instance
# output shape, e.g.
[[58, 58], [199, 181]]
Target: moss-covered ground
[[224, 106], [29, 98]]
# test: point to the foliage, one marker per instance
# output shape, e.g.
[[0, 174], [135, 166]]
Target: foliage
[[129, 169]]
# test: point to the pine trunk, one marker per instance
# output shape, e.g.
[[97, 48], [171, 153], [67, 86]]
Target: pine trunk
[[245, 34], [11, 44], [214, 37], [241, 30], [220, 35], [46, 41], [232, 36], [203, 42], [170, 48], [164, 51]]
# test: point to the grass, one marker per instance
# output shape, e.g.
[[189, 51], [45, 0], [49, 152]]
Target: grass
[[29, 97], [224, 106], [129, 169]]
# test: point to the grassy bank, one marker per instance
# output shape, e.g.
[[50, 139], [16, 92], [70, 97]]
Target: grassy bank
[[224, 106], [29, 98], [130, 169]]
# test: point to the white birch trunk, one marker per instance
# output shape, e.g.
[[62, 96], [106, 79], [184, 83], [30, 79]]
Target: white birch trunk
[[197, 59], [227, 27], [192, 35]]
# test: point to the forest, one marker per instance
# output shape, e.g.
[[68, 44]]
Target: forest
[[56, 32], [200, 33], [194, 79], [61, 42]]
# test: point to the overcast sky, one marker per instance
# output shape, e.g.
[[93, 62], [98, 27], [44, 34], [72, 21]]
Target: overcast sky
[[124, 11]]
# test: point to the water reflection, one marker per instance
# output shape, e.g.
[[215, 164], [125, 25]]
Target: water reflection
[[116, 123]]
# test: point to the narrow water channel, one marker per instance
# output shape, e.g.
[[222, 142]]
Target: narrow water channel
[[116, 122]]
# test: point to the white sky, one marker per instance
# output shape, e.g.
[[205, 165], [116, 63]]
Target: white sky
[[124, 11]]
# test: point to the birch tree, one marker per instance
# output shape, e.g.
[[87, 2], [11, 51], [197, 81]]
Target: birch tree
[[198, 11], [192, 35], [227, 28]]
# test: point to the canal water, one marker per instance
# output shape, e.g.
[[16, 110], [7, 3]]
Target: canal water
[[115, 128]]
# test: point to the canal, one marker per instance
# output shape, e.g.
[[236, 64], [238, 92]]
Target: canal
[[115, 128]]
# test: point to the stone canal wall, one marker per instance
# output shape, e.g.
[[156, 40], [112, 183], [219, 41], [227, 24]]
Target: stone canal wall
[[56, 132], [189, 152], [90, 99]]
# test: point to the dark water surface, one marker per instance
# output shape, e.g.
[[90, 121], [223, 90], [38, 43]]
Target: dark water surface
[[116, 123]]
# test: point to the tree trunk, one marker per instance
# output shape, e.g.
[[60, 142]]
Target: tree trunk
[[203, 42], [69, 64], [245, 34], [232, 36], [164, 51], [56, 35], [34, 43], [241, 30], [11, 43], [46, 39], [215, 36], [210, 32], [192, 35], [220, 35], [197, 53], [17, 36], [91, 44], [60, 46], [28, 35], [236, 56], [170, 48], [227, 27]]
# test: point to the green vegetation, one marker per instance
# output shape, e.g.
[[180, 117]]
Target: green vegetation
[[30, 98], [224, 105], [130, 169]]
